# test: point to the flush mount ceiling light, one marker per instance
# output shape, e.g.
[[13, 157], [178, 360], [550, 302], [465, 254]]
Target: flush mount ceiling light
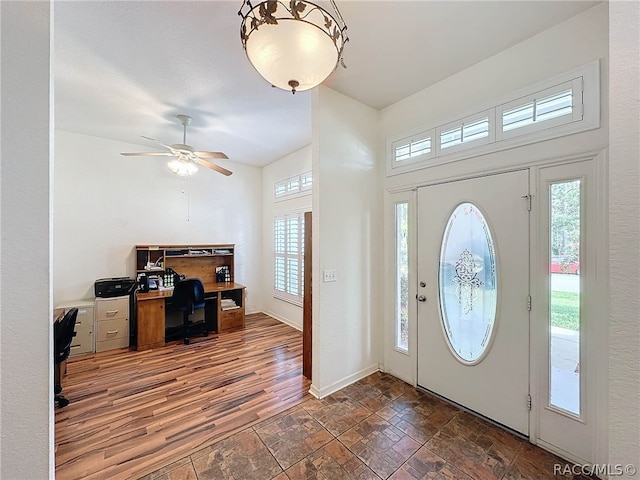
[[294, 47]]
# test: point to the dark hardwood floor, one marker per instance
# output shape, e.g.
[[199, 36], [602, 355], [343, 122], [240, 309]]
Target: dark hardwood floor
[[132, 412]]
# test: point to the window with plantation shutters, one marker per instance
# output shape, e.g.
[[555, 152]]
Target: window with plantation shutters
[[306, 181], [548, 108], [288, 245], [412, 147], [465, 132]]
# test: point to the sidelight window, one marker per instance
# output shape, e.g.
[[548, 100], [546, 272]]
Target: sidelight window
[[564, 295], [402, 278]]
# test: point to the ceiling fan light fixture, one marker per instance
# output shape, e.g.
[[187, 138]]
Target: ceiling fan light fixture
[[185, 157], [183, 168], [294, 47]]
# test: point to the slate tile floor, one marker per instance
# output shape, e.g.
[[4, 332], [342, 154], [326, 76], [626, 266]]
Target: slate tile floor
[[377, 428]]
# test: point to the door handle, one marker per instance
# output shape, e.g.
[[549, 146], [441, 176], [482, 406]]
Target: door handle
[[422, 298]]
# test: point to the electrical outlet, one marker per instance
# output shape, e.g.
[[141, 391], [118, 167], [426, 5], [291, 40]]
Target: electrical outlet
[[329, 275]]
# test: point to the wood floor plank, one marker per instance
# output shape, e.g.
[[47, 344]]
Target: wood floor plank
[[133, 412]]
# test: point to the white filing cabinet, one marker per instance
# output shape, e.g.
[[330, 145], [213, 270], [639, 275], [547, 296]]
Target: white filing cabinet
[[83, 340], [112, 323]]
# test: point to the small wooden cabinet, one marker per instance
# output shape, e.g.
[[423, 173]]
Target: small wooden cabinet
[[112, 323], [231, 309], [150, 326], [232, 319]]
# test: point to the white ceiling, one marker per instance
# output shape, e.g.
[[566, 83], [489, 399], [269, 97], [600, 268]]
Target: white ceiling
[[125, 69]]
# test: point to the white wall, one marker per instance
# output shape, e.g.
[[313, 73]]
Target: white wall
[[624, 234], [289, 166], [346, 236], [26, 386], [105, 204]]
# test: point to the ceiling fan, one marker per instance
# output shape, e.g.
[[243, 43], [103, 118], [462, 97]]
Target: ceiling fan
[[184, 156]]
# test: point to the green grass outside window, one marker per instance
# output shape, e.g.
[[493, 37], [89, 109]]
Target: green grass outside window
[[565, 310]]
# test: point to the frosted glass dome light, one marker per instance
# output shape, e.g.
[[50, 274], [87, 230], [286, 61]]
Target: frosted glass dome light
[[182, 167], [293, 47]]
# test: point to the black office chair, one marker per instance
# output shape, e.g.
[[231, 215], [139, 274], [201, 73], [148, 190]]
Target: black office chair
[[63, 333], [188, 296]]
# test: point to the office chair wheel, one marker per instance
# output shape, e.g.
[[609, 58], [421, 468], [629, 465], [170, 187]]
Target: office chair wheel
[[62, 401], [57, 389], [204, 334], [186, 341]]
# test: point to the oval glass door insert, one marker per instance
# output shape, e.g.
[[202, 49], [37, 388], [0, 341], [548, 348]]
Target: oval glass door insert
[[467, 284]]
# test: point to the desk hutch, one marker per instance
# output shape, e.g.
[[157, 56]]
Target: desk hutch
[[213, 264]]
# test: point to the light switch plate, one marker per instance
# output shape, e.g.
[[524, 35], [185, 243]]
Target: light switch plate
[[329, 275]]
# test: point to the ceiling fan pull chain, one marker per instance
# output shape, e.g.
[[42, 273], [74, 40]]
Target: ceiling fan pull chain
[[188, 198]]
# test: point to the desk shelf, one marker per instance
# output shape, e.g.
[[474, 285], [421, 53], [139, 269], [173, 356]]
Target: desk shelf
[[150, 331], [179, 258]]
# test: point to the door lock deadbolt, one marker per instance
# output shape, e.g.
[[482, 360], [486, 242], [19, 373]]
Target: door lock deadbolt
[[422, 298]]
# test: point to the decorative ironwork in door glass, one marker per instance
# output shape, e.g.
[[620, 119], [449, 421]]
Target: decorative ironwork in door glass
[[467, 283]]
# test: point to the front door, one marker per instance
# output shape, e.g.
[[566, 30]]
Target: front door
[[473, 292]]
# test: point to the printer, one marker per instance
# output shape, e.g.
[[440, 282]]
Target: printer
[[114, 287]]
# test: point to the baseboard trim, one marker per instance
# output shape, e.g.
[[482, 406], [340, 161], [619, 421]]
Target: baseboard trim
[[568, 457], [340, 384], [283, 320]]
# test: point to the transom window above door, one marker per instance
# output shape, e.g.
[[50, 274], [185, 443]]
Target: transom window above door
[[563, 105]]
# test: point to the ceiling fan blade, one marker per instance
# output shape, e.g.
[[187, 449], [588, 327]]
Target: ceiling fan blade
[[213, 166], [211, 155], [148, 154], [159, 143]]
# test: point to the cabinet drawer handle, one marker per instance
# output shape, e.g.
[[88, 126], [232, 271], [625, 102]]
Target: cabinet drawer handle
[[112, 332], [111, 312]]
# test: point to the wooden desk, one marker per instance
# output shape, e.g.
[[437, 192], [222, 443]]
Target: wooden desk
[[150, 329]]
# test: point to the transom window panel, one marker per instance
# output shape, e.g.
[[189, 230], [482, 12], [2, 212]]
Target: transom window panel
[[410, 148], [306, 181], [466, 132], [548, 108], [288, 246], [294, 185]]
